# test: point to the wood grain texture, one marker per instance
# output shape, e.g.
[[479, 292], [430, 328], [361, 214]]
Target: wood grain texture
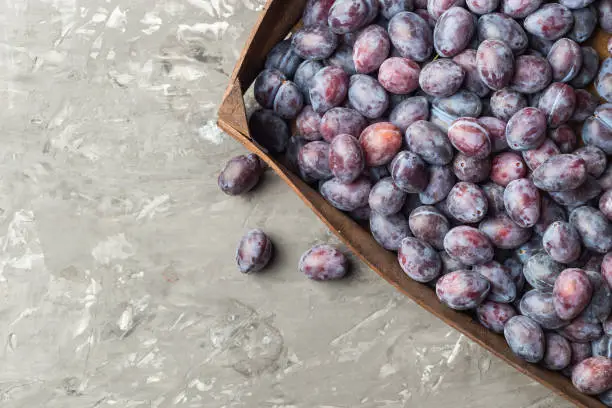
[[277, 19]]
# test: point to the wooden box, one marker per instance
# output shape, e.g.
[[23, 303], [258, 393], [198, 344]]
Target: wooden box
[[276, 21]]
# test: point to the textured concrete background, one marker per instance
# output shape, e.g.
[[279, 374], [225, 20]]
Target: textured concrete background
[[117, 281]]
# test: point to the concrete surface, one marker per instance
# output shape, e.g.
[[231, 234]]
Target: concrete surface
[[117, 280]]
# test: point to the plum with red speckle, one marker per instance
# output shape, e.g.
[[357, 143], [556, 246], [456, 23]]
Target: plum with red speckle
[[347, 16], [526, 129], [562, 172], [240, 175], [550, 22], [399, 75], [506, 102], [254, 251], [323, 262], [437, 7], [535, 157], [532, 74], [525, 338], [572, 293], [593, 375], [503, 232], [519, 8], [565, 58], [346, 159], [371, 49], [328, 88], [468, 245], [522, 202], [558, 102], [462, 289], [482, 6], [467, 202], [494, 315], [495, 63], [316, 12], [441, 77], [419, 260], [507, 167], [469, 137], [308, 124]]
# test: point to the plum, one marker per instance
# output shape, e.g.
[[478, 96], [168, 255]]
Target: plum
[[240, 174], [419, 260], [462, 289], [254, 251], [323, 262], [525, 338]]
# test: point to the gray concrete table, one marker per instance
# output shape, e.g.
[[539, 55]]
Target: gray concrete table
[[117, 280]]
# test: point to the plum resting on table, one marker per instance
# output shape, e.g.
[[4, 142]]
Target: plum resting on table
[[464, 135]]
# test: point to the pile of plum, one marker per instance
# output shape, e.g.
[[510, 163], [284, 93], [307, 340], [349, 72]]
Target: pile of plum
[[451, 126]]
